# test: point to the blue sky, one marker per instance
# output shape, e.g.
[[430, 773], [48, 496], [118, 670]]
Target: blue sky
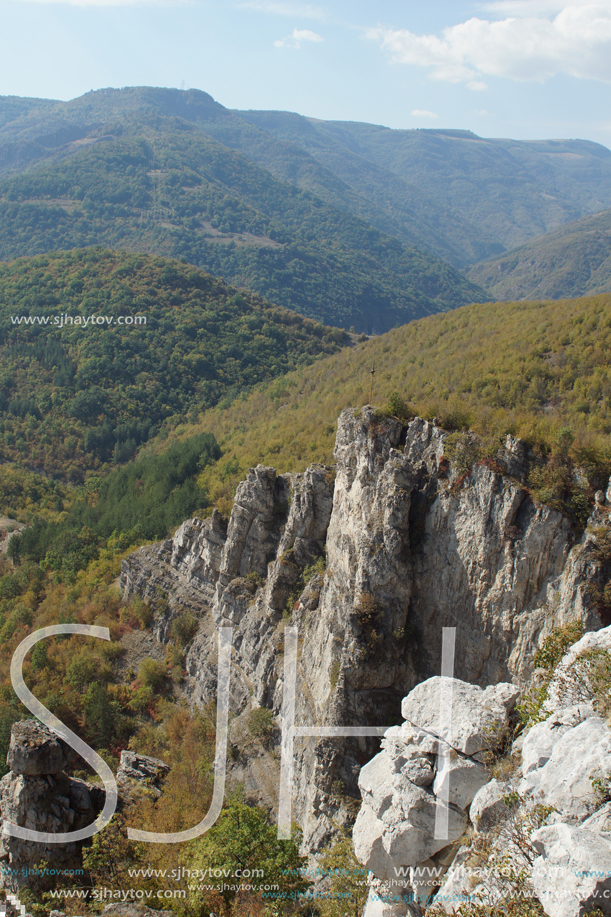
[[502, 68]]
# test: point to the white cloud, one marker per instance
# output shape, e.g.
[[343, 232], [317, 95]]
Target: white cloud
[[423, 113], [296, 37], [535, 7], [576, 41], [303, 10]]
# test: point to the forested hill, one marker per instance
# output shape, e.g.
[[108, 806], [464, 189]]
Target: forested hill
[[74, 396], [130, 170], [470, 196], [538, 370], [450, 192], [574, 260]]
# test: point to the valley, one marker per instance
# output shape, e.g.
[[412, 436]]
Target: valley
[[287, 404]]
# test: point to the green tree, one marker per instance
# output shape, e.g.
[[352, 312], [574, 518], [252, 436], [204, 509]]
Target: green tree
[[102, 714], [242, 842], [347, 880]]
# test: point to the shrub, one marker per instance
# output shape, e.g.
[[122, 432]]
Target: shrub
[[137, 613], [152, 674], [183, 629], [254, 580], [261, 723], [367, 609], [547, 658], [141, 699], [397, 406]]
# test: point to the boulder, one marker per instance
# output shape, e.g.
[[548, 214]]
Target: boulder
[[458, 887], [488, 809], [572, 875], [405, 834], [475, 711], [541, 738], [584, 751], [378, 906], [142, 768], [376, 784], [600, 820], [460, 778]]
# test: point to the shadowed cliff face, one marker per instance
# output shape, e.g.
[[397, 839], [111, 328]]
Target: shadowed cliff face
[[410, 547]]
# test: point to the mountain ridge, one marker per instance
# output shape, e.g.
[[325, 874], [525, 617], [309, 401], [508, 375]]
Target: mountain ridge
[[574, 260], [154, 183]]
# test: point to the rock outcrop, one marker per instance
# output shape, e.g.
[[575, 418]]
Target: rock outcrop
[[417, 791], [37, 794], [140, 771], [410, 544], [572, 875], [542, 831]]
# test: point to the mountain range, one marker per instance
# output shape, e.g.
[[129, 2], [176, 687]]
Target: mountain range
[[135, 169], [352, 224]]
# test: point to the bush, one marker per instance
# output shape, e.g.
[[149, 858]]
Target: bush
[[183, 629], [141, 699], [398, 407], [367, 609], [261, 723], [152, 674], [547, 658]]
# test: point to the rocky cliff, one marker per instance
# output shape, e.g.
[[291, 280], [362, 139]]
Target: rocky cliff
[[369, 559]]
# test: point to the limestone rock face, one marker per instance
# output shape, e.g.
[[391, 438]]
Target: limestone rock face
[[409, 546], [540, 740], [404, 822], [564, 780], [489, 557], [253, 531], [544, 821], [565, 690], [600, 820]]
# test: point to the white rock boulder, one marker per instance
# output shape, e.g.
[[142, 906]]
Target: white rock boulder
[[474, 711], [541, 738], [572, 875], [488, 809], [580, 754]]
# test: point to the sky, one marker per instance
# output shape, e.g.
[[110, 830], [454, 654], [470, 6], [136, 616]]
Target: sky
[[525, 69]]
